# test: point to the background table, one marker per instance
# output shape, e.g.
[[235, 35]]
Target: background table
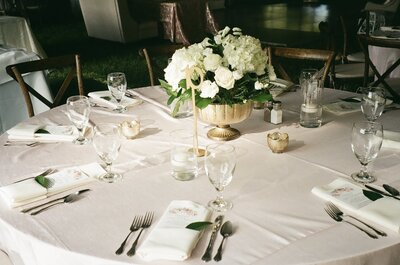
[[277, 219], [12, 104], [16, 33], [187, 21], [383, 58]]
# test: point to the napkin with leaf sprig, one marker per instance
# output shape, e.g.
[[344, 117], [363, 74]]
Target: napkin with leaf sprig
[[39, 188]]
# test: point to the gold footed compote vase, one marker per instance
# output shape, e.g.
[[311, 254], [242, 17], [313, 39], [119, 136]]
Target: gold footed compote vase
[[223, 116]]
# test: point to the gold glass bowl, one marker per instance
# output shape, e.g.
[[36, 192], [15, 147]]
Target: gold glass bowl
[[222, 116], [277, 141]]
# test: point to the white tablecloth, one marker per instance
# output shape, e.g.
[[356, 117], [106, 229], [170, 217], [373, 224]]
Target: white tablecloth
[[383, 58], [15, 32], [277, 219], [12, 104]]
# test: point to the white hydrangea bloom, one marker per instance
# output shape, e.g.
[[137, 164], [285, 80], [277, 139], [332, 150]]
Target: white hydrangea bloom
[[224, 32], [212, 62], [208, 89], [271, 73], [244, 53], [237, 75]]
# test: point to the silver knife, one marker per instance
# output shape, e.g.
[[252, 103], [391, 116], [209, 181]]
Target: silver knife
[[217, 224]]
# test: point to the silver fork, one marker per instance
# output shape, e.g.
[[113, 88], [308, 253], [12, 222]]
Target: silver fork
[[338, 212], [148, 219], [45, 173], [31, 144], [340, 219], [136, 224]]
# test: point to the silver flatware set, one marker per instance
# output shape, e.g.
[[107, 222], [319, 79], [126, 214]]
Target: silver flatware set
[[139, 222], [336, 214], [226, 230]]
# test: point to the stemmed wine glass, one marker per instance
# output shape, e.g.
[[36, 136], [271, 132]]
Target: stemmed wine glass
[[116, 83], [220, 163], [366, 141], [372, 102], [78, 110], [107, 143]]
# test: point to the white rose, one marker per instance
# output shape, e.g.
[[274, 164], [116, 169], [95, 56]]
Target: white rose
[[208, 89], [212, 62], [224, 78], [173, 76], [258, 85]]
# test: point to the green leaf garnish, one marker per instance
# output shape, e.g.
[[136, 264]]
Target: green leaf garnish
[[198, 226], [45, 182], [373, 196], [42, 131], [106, 98]]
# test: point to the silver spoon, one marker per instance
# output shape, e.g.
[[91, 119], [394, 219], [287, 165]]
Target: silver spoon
[[391, 190], [68, 199], [226, 231]]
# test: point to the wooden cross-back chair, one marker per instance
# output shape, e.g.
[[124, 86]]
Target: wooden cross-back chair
[[392, 85], [154, 67], [279, 53], [339, 35], [16, 71]]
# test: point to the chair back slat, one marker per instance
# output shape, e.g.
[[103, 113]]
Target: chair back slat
[[278, 53], [16, 71], [154, 68]]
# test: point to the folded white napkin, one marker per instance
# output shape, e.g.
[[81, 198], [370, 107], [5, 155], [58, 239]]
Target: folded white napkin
[[342, 107], [151, 101], [42, 133], [349, 196], [170, 240], [105, 98], [391, 139], [27, 191]]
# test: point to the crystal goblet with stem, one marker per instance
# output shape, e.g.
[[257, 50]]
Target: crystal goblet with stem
[[220, 163], [116, 83], [78, 110], [107, 143], [373, 102], [366, 141]]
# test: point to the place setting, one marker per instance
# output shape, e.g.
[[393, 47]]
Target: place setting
[[117, 99], [33, 190], [358, 196], [176, 233]]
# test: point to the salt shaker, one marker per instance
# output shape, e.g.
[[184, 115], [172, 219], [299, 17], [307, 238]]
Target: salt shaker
[[276, 113], [267, 111]]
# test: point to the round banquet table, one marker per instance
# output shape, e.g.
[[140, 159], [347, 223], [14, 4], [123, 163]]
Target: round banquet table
[[277, 220]]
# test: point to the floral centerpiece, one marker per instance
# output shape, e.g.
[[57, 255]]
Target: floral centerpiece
[[235, 69]]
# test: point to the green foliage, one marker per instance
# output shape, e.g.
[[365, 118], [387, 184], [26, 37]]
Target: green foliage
[[198, 226], [373, 196], [44, 181]]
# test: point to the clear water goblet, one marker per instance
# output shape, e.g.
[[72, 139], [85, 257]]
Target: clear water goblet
[[78, 110], [372, 102], [117, 84], [366, 141], [107, 143], [220, 163]]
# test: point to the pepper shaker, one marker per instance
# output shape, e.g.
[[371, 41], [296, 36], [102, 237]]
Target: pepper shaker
[[267, 111]]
